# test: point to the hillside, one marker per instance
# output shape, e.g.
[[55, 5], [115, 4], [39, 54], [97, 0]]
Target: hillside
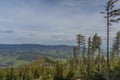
[[19, 54]]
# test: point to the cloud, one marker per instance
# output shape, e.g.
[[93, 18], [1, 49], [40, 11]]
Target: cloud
[[7, 31], [50, 21]]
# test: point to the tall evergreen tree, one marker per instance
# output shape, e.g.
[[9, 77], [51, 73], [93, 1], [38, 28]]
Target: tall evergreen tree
[[117, 42], [89, 58], [80, 40], [84, 50], [111, 14], [75, 49], [97, 44]]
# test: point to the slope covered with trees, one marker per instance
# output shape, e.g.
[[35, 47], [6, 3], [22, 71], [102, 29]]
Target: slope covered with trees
[[16, 55], [88, 67]]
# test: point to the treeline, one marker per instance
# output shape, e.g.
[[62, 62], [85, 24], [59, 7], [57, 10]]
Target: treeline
[[68, 71], [41, 69], [83, 65]]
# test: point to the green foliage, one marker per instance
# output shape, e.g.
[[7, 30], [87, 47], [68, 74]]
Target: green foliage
[[70, 75], [18, 55], [46, 69], [59, 72], [3, 75]]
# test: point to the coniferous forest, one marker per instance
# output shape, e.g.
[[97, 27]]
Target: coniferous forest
[[87, 62]]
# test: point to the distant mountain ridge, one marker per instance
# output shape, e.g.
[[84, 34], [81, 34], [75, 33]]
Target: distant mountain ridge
[[30, 45], [12, 54]]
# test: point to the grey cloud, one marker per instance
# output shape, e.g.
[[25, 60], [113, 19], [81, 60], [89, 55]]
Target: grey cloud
[[59, 36], [7, 31], [35, 21]]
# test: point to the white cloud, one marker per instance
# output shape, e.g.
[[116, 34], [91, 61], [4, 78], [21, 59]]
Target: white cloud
[[35, 21]]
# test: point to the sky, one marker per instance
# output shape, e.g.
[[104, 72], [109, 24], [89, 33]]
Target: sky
[[51, 22]]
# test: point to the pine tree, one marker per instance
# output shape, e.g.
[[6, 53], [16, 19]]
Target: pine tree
[[75, 49], [97, 44], [80, 41], [117, 42], [59, 72], [111, 16], [89, 53]]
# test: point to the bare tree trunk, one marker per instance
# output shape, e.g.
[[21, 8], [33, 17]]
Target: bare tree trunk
[[99, 61], [88, 64], [78, 61], [93, 53], [75, 55], [117, 46], [84, 50], [108, 66]]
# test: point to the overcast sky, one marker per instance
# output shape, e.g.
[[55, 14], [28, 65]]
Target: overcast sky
[[51, 21]]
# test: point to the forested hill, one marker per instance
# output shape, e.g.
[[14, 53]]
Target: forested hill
[[17, 54], [33, 46]]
